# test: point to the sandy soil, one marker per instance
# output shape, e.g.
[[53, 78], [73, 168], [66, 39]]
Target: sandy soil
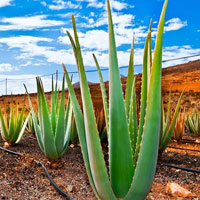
[[22, 179]]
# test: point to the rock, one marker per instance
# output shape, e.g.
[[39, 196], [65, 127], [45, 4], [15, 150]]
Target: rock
[[176, 190], [6, 145], [71, 188]]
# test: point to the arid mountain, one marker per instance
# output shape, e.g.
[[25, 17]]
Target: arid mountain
[[176, 78]]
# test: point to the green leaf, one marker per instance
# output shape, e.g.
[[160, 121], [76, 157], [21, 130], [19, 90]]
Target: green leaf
[[53, 108], [81, 130], [11, 132], [121, 161], [22, 129], [143, 95], [133, 119], [103, 92], [4, 131], [129, 83], [60, 126]]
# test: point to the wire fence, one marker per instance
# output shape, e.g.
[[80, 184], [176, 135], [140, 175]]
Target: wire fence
[[15, 85]]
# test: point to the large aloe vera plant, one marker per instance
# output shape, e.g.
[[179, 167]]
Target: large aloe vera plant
[[13, 125], [132, 153], [54, 128]]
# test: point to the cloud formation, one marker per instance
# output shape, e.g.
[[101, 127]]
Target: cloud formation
[[28, 23], [60, 5], [175, 24], [4, 3]]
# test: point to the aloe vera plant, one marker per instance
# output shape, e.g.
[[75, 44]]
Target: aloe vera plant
[[179, 128], [132, 153], [192, 123], [53, 129], [167, 124], [13, 125]]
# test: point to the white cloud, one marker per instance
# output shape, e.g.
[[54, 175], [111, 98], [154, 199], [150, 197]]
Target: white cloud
[[27, 63], [4, 3], [93, 3], [117, 5], [44, 3], [61, 4], [174, 52], [175, 24], [23, 41], [6, 67], [15, 83], [118, 19], [28, 23]]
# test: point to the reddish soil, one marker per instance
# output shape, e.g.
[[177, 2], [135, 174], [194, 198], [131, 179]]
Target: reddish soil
[[21, 178]]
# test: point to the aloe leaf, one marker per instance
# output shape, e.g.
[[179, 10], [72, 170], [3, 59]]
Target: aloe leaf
[[4, 131], [53, 108], [22, 129], [103, 92], [143, 94], [96, 159], [11, 132], [35, 123], [81, 129], [121, 161], [39, 104], [133, 119], [167, 136], [60, 126], [48, 137], [149, 61], [68, 129], [18, 125], [147, 160], [162, 123], [129, 82]]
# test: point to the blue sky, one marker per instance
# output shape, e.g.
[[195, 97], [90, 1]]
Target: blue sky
[[33, 38]]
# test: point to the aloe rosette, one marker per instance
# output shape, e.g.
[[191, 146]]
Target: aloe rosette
[[52, 129], [13, 125], [132, 152]]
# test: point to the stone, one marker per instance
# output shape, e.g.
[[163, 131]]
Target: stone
[[176, 190]]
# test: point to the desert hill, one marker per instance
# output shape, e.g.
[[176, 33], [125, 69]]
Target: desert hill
[[176, 78]]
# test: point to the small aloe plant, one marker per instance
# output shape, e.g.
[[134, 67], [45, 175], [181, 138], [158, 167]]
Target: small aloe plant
[[192, 123], [132, 153], [179, 128], [52, 129], [13, 125], [167, 125]]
